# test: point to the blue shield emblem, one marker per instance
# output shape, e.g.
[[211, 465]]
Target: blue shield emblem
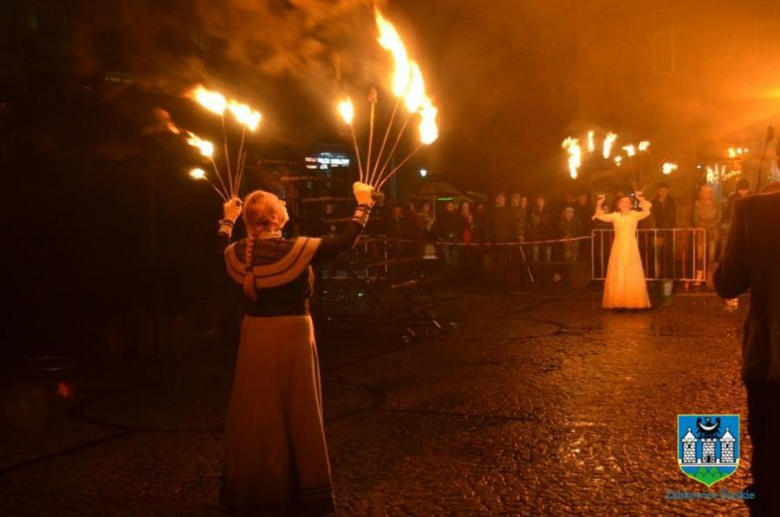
[[708, 446]]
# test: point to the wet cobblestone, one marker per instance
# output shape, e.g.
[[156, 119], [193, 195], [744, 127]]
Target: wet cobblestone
[[538, 405]]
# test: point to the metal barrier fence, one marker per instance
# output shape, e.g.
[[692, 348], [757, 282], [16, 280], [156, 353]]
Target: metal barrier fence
[[668, 254]]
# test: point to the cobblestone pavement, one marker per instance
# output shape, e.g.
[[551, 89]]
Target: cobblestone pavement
[[538, 405]]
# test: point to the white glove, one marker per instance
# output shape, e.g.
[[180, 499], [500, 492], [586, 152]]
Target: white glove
[[232, 209], [363, 193]]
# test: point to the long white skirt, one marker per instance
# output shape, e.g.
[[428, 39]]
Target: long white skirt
[[625, 287]]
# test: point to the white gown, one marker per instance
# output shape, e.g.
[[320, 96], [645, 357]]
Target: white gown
[[625, 287]]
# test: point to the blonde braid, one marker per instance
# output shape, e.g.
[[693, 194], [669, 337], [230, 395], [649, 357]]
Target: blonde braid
[[249, 278]]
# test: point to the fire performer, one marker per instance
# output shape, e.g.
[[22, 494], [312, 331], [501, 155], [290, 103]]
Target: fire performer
[[276, 456], [625, 287]]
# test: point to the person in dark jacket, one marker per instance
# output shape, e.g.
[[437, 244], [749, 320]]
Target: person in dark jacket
[[448, 228], [749, 262], [664, 218], [500, 228], [583, 210], [541, 227], [742, 190]]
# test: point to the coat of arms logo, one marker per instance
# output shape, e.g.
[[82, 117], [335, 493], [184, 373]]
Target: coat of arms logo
[[708, 446]]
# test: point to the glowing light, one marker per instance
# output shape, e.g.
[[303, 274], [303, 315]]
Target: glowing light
[[347, 110], [416, 94], [668, 168], [429, 131], [423, 172], [630, 150], [608, 141], [245, 115], [644, 146], [618, 160], [591, 142], [206, 148], [572, 146], [390, 40], [211, 100], [197, 174]]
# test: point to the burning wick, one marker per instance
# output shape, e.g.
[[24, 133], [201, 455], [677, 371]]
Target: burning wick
[[668, 168], [608, 141], [347, 112], [591, 141], [572, 146], [212, 101], [200, 174], [630, 150], [618, 160], [644, 146]]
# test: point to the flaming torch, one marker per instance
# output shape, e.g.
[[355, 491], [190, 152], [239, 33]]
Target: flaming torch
[[200, 174], [572, 146], [408, 86], [608, 141], [347, 112], [667, 168], [591, 141]]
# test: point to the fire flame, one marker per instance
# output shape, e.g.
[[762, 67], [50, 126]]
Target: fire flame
[[608, 141], [644, 146], [212, 101], [591, 142], [347, 110], [391, 41], [429, 131], [206, 148], [572, 146], [668, 168], [618, 160], [416, 94], [197, 174], [630, 150], [244, 115]]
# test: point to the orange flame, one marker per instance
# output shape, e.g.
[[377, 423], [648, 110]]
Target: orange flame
[[608, 141], [197, 174], [618, 160], [391, 41], [429, 131], [206, 148], [211, 100], [416, 94], [591, 141], [572, 146], [644, 146], [668, 168], [347, 110], [245, 115], [630, 150]]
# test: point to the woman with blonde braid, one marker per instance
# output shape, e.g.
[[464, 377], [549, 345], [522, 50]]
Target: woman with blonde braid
[[276, 460]]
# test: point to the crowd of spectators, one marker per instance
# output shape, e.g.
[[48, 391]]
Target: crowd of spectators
[[553, 229]]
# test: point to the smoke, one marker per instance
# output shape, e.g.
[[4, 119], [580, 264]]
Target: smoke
[[171, 45]]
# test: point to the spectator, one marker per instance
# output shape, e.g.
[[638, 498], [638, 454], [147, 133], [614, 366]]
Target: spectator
[[448, 227], [707, 214], [425, 220], [500, 227], [467, 220], [500, 223], [541, 226], [570, 227], [395, 224], [583, 211], [520, 211], [742, 190], [480, 214], [664, 208]]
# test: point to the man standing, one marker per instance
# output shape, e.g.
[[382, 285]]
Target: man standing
[[742, 190], [448, 227], [500, 227], [750, 261], [664, 212]]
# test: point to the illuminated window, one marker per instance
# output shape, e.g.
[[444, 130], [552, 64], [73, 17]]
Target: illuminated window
[[671, 41]]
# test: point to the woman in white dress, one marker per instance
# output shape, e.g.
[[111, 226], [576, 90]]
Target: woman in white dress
[[625, 287]]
